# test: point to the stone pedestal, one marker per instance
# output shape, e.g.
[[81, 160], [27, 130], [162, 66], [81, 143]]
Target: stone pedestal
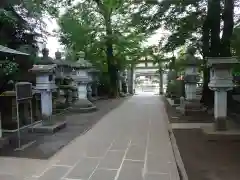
[[89, 92], [46, 107], [190, 90], [82, 105], [37, 107], [82, 90], [220, 109], [75, 94]]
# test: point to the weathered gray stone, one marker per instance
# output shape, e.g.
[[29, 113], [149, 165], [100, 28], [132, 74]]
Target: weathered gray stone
[[136, 152], [112, 160], [40, 128], [84, 168], [157, 164], [120, 144], [9, 177], [54, 173], [157, 177], [104, 175], [131, 171]]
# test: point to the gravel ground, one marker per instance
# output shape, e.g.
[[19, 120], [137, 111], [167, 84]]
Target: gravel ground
[[46, 145], [206, 160]]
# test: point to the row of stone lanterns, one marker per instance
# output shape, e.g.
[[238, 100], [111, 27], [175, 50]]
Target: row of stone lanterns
[[221, 81], [45, 85]]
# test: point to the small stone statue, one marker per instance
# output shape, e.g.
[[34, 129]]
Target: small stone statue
[[190, 58], [46, 59], [58, 55], [45, 53]]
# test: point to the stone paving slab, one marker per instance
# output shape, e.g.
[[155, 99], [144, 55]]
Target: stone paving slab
[[104, 175], [136, 152], [54, 173], [120, 144], [131, 171], [157, 164], [84, 169], [112, 160], [157, 177]]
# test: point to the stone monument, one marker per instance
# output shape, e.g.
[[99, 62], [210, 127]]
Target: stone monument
[[45, 85], [192, 104]]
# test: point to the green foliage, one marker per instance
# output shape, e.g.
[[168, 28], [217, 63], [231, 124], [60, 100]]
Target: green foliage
[[183, 19], [8, 68], [175, 88], [83, 28]]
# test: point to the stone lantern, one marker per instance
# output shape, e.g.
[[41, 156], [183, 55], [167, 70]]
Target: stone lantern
[[82, 78], [191, 76], [192, 104], [45, 85], [221, 81]]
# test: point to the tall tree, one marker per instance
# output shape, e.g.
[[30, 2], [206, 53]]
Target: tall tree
[[192, 22]]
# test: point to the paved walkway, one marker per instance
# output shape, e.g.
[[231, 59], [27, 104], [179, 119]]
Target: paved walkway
[[129, 143]]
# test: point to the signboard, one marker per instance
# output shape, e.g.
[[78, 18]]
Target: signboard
[[23, 91]]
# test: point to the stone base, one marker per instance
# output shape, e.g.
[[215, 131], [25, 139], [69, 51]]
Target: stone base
[[211, 134], [172, 103], [192, 108], [82, 106], [75, 109], [221, 124], [40, 128]]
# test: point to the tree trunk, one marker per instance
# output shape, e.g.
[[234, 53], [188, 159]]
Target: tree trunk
[[160, 81], [112, 68], [228, 28], [217, 47], [207, 94], [226, 39], [214, 18]]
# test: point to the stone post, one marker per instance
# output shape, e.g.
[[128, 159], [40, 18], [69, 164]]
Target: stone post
[[120, 81], [0, 125], [130, 80], [46, 106], [221, 81], [160, 82], [82, 90], [190, 75]]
